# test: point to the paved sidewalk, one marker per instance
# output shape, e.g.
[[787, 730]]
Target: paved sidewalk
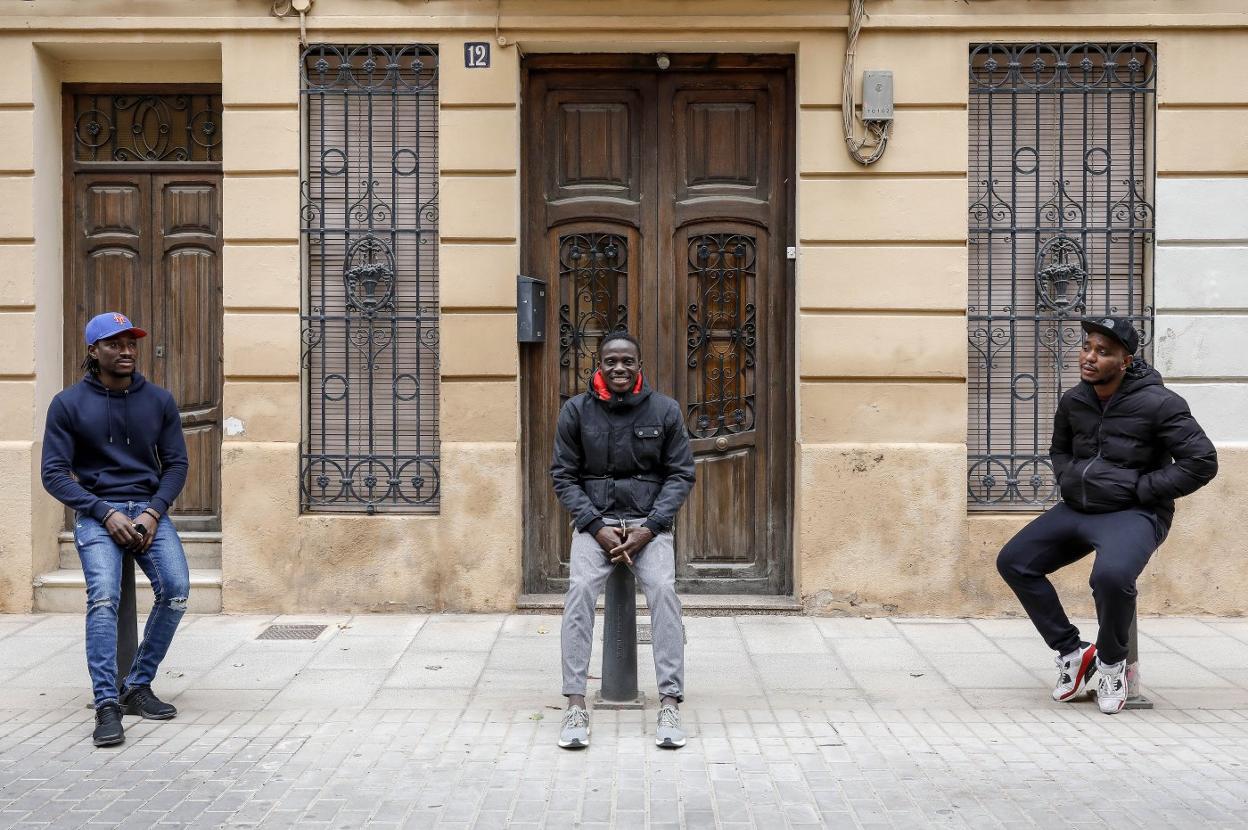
[[448, 721]]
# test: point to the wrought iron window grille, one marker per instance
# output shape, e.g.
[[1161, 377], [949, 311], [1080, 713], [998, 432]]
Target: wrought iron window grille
[[722, 334], [593, 302], [147, 127], [369, 225], [1060, 226]]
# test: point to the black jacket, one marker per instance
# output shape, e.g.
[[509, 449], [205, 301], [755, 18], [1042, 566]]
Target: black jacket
[[1144, 449], [626, 457]]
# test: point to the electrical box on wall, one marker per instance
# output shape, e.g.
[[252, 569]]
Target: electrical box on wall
[[530, 310], [877, 95]]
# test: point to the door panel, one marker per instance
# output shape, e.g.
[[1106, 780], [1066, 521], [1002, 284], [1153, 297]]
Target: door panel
[[660, 201], [109, 260], [590, 236], [187, 332], [723, 530], [596, 145], [729, 215]]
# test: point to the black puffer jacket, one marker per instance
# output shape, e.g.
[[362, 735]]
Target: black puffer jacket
[[1144, 449], [625, 457]]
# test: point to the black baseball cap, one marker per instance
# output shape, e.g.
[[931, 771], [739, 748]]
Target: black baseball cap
[[1119, 328]]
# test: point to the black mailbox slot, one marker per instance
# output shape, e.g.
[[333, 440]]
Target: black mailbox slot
[[530, 309]]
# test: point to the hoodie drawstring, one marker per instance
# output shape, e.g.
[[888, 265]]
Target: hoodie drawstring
[[135, 383], [125, 414]]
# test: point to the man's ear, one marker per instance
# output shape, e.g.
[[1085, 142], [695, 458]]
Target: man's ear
[[1126, 364], [93, 352]]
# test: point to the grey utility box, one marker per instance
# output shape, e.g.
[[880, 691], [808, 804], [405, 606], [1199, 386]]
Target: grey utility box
[[877, 95], [530, 309]]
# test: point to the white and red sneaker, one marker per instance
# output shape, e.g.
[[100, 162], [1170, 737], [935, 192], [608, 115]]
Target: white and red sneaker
[[1074, 671], [1111, 687]]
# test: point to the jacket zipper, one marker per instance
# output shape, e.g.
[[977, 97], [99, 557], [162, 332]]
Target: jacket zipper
[[1100, 429]]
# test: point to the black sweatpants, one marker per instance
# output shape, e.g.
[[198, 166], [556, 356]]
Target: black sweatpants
[[1123, 540]]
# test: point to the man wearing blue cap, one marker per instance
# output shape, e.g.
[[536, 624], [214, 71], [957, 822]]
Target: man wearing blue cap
[[1124, 448], [113, 451]]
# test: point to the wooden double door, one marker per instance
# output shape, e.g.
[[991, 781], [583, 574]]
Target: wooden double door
[[145, 239], [660, 201]]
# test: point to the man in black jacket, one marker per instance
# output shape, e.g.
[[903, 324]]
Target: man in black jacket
[[622, 468], [1124, 448]]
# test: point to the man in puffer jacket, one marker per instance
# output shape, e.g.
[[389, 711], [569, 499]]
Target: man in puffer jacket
[[622, 468], [1124, 448]]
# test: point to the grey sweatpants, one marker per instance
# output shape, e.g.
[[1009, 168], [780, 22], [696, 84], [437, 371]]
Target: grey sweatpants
[[655, 569]]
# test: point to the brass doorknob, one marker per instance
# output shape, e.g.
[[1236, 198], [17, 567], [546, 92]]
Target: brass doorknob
[[721, 444]]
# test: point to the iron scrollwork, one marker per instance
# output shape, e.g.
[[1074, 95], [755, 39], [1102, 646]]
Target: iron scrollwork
[[593, 293], [370, 328], [1060, 225], [722, 334], [147, 128], [1061, 276]]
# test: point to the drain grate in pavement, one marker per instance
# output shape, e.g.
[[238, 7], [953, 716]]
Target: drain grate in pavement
[[282, 631]]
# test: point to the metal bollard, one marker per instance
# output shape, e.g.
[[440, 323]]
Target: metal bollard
[[619, 644], [127, 620], [1135, 700]]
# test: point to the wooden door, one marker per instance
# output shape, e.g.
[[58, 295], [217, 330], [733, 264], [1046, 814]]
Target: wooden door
[[146, 240], [186, 330], [661, 202]]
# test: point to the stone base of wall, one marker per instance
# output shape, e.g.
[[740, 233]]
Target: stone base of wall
[[884, 530], [273, 560]]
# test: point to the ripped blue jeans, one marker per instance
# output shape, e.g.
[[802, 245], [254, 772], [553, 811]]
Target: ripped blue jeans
[[165, 566]]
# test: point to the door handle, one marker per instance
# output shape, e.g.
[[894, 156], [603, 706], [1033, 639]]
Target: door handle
[[721, 443]]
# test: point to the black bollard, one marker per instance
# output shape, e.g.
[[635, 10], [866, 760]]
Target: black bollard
[[619, 644], [1135, 699], [127, 620]]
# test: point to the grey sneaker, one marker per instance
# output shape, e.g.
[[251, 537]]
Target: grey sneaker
[[1111, 687], [1074, 673], [574, 733], [669, 735]]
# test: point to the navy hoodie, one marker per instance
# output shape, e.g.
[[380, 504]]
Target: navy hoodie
[[120, 446]]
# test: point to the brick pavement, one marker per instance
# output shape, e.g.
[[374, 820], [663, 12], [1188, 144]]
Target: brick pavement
[[449, 722]]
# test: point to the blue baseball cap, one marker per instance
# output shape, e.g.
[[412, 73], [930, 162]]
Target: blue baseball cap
[[110, 324]]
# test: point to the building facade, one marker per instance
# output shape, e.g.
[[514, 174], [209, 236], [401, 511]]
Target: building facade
[[324, 231]]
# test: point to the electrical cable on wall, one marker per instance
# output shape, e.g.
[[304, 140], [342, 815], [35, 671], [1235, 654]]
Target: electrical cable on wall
[[499, 37], [877, 130], [285, 8]]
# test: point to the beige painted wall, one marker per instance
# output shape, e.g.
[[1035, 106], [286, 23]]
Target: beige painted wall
[[881, 420], [468, 556]]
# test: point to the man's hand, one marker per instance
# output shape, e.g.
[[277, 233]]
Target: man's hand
[[609, 538], [635, 539], [146, 520], [122, 530]]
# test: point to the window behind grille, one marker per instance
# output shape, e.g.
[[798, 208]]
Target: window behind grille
[[1060, 227], [369, 219]]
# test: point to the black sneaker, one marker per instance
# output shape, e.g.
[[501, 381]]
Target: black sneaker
[[108, 731], [142, 701]]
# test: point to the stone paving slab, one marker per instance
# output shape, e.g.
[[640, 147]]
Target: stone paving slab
[[445, 721]]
